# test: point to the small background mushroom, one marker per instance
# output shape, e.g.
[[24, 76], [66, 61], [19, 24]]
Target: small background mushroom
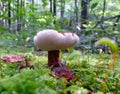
[[21, 61]]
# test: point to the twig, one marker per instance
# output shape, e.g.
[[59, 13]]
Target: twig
[[105, 19], [115, 24]]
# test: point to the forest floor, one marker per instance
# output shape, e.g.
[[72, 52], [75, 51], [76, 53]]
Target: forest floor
[[93, 75]]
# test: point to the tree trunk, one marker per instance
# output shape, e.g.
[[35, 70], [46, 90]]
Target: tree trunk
[[23, 12], [62, 8], [54, 7], [104, 8], [1, 9], [33, 2], [62, 13], [51, 6], [76, 10], [9, 16], [84, 13], [18, 19]]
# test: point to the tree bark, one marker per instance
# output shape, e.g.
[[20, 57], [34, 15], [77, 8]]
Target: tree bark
[[1, 9], [76, 10], [104, 7], [51, 6], [18, 19], [9, 16], [23, 12], [54, 7], [84, 13], [33, 1], [62, 8]]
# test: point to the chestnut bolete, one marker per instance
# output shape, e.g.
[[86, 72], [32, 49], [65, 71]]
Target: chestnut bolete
[[53, 41]]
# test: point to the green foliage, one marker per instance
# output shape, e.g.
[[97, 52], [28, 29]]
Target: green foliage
[[32, 19], [37, 16], [76, 90], [94, 5], [29, 82], [45, 3], [114, 48], [12, 69]]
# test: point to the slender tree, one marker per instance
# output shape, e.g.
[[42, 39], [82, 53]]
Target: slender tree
[[9, 16], [62, 8], [18, 19], [76, 10], [103, 14], [54, 7], [84, 13], [51, 6], [23, 12], [1, 9], [33, 1]]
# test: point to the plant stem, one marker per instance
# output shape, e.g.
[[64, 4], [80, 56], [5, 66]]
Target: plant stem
[[110, 68]]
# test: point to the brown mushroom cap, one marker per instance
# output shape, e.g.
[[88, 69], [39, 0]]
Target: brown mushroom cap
[[13, 58], [52, 40]]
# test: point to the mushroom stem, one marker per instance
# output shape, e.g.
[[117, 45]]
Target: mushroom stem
[[53, 58]]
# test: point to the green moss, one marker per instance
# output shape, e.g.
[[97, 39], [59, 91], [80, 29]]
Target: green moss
[[90, 70]]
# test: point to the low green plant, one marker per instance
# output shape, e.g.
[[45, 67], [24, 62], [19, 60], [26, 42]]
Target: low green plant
[[114, 48]]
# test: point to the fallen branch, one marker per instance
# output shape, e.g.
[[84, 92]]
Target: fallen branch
[[105, 19]]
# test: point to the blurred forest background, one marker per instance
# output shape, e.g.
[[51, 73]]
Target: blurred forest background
[[90, 19]]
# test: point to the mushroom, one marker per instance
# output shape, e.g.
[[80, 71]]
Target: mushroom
[[18, 59], [13, 58], [53, 41]]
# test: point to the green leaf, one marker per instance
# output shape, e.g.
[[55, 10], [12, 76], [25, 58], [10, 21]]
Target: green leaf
[[45, 3], [89, 1], [94, 5]]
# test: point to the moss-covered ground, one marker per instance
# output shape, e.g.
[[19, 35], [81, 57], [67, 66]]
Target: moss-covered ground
[[91, 72]]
